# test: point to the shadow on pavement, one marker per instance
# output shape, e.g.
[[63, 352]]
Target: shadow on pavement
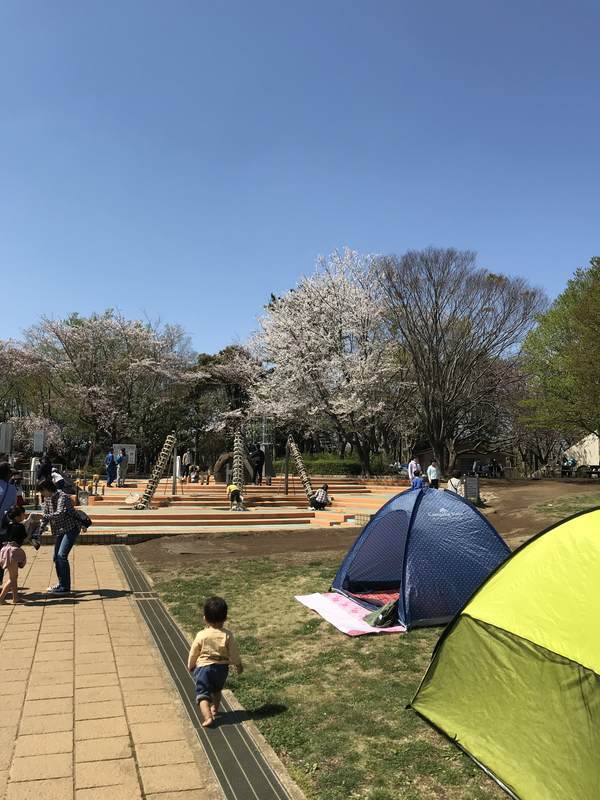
[[75, 597]]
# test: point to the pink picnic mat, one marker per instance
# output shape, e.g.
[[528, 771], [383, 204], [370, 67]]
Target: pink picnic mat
[[343, 613]]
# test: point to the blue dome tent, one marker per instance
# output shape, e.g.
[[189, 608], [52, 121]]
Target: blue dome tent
[[430, 549]]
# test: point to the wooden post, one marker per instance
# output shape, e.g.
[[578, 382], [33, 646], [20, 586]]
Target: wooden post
[[287, 467], [174, 486]]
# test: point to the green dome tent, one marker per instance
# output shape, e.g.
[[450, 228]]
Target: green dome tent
[[515, 679]]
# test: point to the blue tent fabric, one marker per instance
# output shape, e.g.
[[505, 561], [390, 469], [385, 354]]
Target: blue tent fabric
[[431, 546]]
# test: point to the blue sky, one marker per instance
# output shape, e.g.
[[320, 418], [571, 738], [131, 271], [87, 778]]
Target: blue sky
[[183, 160]]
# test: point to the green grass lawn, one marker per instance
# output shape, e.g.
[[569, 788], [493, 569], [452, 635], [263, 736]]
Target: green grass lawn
[[333, 707], [566, 506]]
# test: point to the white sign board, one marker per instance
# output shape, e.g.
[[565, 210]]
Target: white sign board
[[130, 449], [38, 441], [6, 435]]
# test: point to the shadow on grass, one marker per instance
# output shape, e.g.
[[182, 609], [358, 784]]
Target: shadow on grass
[[245, 715]]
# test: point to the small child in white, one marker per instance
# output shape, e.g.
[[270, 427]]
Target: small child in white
[[212, 652]]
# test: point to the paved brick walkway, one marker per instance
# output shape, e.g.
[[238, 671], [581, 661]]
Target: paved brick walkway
[[87, 710]]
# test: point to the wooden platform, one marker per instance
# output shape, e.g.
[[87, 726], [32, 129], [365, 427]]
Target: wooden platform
[[199, 508]]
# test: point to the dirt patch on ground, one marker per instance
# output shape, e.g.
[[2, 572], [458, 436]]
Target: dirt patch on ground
[[511, 508], [190, 550]]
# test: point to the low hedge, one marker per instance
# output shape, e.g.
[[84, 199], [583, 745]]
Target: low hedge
[[321, 467], [333, 468], [337, 467]]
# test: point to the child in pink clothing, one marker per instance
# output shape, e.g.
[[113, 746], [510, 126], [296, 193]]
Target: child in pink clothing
[[12, 555]]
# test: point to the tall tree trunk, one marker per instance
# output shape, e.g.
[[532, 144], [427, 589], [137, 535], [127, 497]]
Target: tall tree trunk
[[89, 456], [364, 456], [440, 455], [385, 442], [451, 450]]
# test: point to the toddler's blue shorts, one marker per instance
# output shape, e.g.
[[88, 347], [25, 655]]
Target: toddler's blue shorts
[[209, 680]]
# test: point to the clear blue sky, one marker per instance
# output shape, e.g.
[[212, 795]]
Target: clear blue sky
[[185, 159]]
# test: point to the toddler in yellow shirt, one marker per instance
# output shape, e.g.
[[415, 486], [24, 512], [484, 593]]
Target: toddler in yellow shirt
[[211, 653]]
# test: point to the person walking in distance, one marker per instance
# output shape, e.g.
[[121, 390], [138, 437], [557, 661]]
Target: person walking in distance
[[8, 491], [433, 474], [111, 466], [17, 482], [257, 459], [122, 464], [186, 462], [413, 466]]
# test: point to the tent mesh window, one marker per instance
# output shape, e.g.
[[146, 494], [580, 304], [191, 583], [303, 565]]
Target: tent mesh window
[[378, 563]]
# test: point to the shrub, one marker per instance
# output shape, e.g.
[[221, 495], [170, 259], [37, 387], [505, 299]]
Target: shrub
[[330, 464]]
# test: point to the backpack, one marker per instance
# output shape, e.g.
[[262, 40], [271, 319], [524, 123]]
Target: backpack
[[83, 519], [383, 617]]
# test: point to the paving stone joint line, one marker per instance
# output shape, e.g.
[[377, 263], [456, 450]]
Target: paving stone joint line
[[91, 691], [250, 774]]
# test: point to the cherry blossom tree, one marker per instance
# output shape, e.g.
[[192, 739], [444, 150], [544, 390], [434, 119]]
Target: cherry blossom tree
[[218, 401], [24, 428], [91, 381], [117, 378], [328, 361]]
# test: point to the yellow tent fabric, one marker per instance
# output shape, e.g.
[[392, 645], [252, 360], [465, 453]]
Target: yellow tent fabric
[[549, 593], [515, 679]]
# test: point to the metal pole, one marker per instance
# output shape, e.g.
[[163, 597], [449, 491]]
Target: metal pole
[[287, 466], [174, 487]]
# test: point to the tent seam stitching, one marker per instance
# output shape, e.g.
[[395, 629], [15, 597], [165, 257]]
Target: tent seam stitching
[[484, 623]]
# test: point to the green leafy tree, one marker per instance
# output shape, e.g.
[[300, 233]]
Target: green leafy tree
[[563, 358], [461, 327]]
